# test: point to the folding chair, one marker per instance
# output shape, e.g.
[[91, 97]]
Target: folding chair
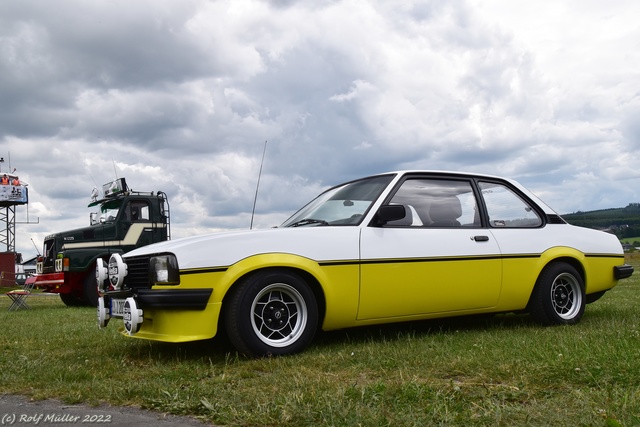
[[18, 297]]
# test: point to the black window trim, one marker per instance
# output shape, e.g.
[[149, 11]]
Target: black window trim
[[470, 179], [485, 213]]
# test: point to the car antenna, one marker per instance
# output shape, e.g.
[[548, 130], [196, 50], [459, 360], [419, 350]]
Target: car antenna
[[253, 211]]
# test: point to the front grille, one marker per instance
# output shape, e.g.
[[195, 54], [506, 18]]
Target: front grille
[[138, 272]]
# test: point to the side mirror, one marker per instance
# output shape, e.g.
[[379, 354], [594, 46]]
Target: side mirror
[[93, 218], [388, 213]]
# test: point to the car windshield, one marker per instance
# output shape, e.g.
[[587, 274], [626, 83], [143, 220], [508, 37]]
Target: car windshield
[[342, 205]]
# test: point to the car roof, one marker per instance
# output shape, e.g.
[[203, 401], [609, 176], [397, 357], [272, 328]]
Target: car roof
[[460, 174], [441, 172]]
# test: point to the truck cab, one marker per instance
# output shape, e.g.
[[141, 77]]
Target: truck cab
[[127, 220]]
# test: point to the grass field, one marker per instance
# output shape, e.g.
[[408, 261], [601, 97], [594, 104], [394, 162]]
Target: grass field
[[501, 370], [630, 239]]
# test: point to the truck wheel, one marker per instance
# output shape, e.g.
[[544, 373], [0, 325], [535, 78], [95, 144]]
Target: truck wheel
[[271, 313], [71, 300], [90, 288]]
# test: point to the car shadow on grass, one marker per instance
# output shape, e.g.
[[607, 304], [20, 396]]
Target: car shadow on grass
[[423, 328], [220, 349]]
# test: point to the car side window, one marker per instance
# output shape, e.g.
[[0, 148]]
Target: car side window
[[436, 203], [507, 209]]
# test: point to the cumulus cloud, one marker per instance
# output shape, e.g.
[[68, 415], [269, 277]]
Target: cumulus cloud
[[180, 96]]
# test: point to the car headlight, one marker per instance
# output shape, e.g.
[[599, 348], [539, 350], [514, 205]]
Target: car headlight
[[163, 270]]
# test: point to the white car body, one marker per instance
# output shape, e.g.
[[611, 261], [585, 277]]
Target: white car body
[[504, 251]]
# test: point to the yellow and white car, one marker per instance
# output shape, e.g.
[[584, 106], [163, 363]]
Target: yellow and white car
[[392, 247]]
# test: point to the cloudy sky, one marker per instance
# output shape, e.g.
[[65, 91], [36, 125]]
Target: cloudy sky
[[180, 96]]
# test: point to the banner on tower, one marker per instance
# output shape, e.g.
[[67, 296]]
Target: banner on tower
[[15, 194]]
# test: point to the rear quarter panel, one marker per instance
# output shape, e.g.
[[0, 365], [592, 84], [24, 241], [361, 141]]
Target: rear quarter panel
[[527, 251]]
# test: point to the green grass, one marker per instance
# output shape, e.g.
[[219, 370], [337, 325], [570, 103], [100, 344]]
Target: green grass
[[501, 370]]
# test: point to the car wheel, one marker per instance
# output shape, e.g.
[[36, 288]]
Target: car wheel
[[272, 312], [558, 297]]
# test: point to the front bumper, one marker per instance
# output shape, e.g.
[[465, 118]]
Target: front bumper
[[131, 307], [50, 282]]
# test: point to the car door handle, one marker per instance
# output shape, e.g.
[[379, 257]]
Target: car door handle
[[480, 238]]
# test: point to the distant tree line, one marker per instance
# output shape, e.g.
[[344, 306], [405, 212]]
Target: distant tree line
[[623, 222]]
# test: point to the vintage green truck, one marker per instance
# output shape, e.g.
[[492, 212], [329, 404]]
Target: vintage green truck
[[127, 220]]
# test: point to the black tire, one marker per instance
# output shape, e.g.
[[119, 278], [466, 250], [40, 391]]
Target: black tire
[[558, 297], [70, 300], [90, 289], [272, 312]]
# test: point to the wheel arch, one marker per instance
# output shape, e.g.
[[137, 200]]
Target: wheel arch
[[572, 261], [575, 263], [310, 279]]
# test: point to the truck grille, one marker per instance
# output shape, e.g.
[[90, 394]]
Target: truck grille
[[50, 252], [138, 272]]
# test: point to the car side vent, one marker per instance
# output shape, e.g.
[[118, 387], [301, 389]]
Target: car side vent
[[555, 219]]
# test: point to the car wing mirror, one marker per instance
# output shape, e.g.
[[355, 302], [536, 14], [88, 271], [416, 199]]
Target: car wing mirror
[[388, 213]]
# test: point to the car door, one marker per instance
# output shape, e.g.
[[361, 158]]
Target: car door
[[437, 259], [517, 225]]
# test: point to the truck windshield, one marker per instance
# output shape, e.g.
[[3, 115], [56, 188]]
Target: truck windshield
[[109, 211], [342, 205]]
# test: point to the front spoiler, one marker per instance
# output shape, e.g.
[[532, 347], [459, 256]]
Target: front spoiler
[[622, 271], [166, 299], [131, 305]]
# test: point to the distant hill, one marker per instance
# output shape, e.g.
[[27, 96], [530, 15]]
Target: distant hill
[[624, 222]]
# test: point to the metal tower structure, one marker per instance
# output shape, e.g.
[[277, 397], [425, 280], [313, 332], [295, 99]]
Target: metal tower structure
[[8, 230], [13, 192]]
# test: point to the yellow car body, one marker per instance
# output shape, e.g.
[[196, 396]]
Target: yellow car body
[[363, 261]]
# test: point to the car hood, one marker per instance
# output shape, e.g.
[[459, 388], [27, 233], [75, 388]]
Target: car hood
[[226, 248]]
